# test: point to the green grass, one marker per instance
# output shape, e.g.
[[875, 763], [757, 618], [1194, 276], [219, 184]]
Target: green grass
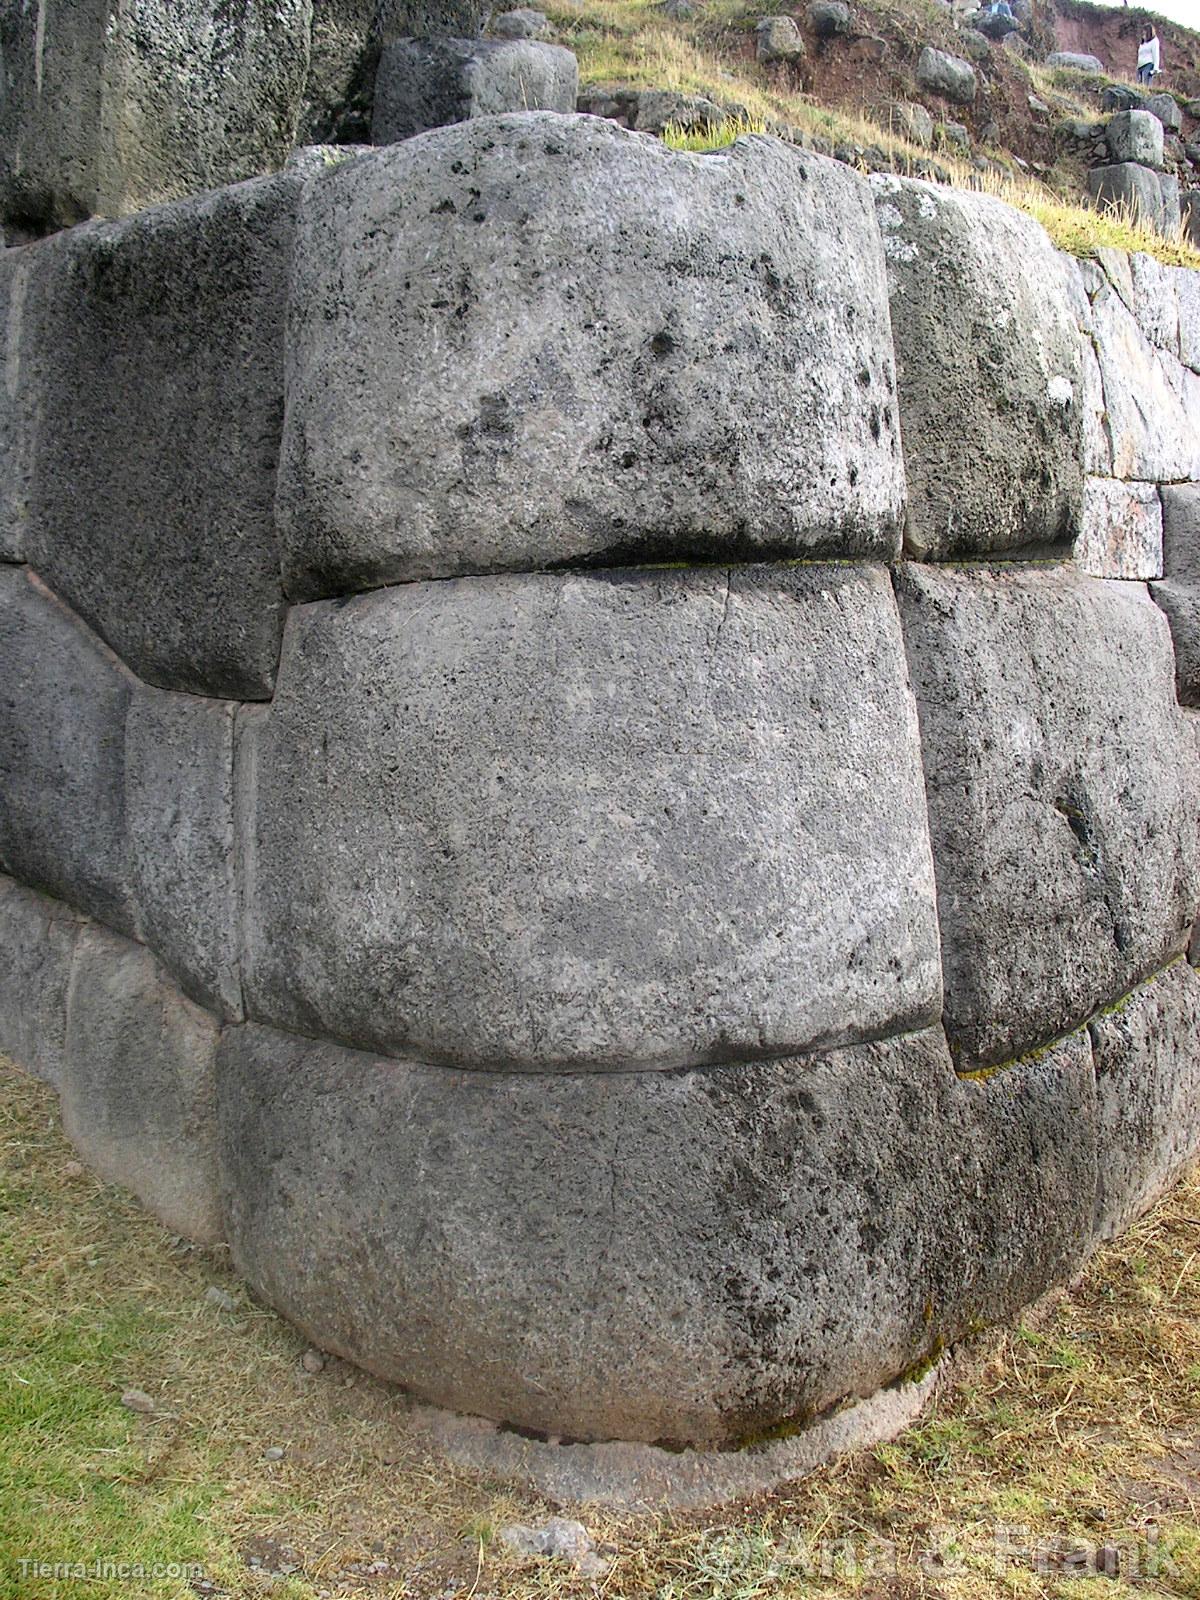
[[1083, 1425]]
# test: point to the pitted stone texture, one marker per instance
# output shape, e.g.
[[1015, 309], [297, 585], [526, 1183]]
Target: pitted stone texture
[[946, 75], [179, 814], [138, 1086], [1064, 796], [1147, 1055], [550, 822], [1127, 185], [1135, 136], [1121, 535], [37, 937], [989, 370], [63, 701], [1179, 592], [471, 391], [1148, 423], [428, 83], [727, 1249], [1155, 301], [19, 352], [154, 482], [109, 108], [1187, 293]]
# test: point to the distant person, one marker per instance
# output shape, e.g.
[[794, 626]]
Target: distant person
[[1002, 12], [1149, 56]]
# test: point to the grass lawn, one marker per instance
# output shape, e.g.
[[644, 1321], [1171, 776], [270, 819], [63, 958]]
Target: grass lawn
[[1083, 1430]]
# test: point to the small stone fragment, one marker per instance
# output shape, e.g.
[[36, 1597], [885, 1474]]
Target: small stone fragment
[[138, 1400], [313, 1361], [219, 1298]]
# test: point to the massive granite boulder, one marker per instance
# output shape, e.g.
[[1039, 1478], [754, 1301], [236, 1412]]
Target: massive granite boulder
[[688, 1257], [636, 820], [989, 359], [535, 339], [1064, 796], [151, 506], [108, 108]]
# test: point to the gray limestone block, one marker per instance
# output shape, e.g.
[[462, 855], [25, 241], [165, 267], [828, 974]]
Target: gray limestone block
[[1121, 534], [1073, 61], [1127, 186], [1155, 301], [63, 702], [989, 358], [595, 821], [109, 108], [1148, 416], [154, 477], [691, 1257], [470, 390], [1147, 1054], [1064, 796], [1135, 136], [138, 1085], [1166, 108], [179, 816], [1179, 592], [37, 937], [948, 76], [1187, 294], [20, 350], [427, 83]]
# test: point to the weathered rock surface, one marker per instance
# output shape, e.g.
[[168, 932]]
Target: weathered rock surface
[[19, 350], [522, 23], [1153, 437], [779, 39], [989, 371], [1179, 592], [152, 507], [611, 821], [429, 83], [1155, 301], [1074, 61], [1187, 295], [1129, 187], [1135, 136], [791, 1259], [109, 108], [1147, 1054], [37, 936], [179, 816], [63, 701], [1063, 796], [1166, 108], [1121, 532], [138, 1089], [948, 76], [468, 390], [829, 19]]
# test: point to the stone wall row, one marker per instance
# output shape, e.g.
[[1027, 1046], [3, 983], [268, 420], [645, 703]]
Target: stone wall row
[[838, 1217], [405, 365], [633, 820]]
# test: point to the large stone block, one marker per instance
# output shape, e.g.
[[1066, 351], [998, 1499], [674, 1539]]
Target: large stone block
[[37, 936], [1135, 136], [19, 351], [1179, 592], [138, 1088], [63, 702], [1064, 796], [946, 75], [989, 369], [108, 108], [472, 388], [1155, 301], [1187, 293], [1152, 436], [689, 1257], [646, 819], [1147, 1054], [154, 481], [428, 83], [1126, 186], [179, 816], [1121, 534]]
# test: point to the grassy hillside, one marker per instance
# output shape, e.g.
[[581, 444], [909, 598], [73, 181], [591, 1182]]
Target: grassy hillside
[[847, 96]]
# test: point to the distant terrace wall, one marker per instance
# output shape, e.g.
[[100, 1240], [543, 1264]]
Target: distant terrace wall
[[597, 763]]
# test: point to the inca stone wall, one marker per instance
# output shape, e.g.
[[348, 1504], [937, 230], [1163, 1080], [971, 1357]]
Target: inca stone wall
[[597, 771]]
